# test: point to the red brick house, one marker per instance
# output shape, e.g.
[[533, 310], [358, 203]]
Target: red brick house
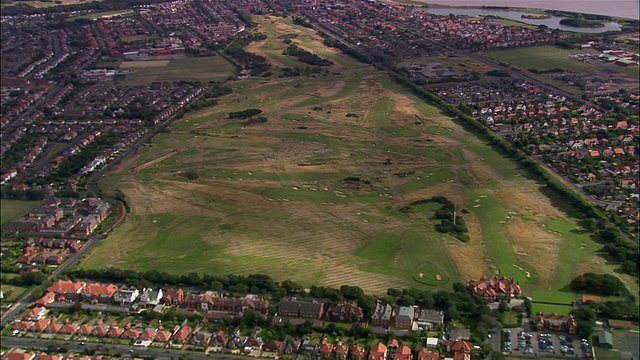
[[98, 292], [345, 312], [403, 353], [341, 351], [67, 289], [181, 334], [425, 354], [358, 352], [495, 289], [556, 323], [378, 352], [326, 349], [173, 297]]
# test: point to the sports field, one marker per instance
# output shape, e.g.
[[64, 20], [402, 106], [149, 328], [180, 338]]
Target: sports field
[[314, 195], [212, 68], [11, 210]]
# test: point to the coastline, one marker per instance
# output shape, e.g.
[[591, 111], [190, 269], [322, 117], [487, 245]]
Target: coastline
[[470, 4]]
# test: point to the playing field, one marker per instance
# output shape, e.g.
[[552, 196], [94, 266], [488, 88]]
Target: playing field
[[13, 209], [315, 196], [212, 68]]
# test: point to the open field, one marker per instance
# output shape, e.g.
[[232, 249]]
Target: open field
[[212, 68], [314, 195], [103, 15], [542, 58], [12, 209]]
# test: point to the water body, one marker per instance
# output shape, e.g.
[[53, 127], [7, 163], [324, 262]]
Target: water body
[[629, 9], [552, 22]]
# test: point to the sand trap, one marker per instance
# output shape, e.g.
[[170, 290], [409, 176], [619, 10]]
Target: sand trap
[[421, 275], [477, 205], [439, 277]]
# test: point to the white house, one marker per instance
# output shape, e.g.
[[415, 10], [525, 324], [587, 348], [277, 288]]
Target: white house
[[126, 295]]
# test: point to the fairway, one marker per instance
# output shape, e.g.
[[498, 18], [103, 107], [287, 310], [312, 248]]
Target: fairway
[[320, 193]]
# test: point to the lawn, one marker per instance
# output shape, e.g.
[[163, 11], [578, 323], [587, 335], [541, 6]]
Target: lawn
[[212, 68], [551, 309], [554, 297], [14, 209], [320, 203], [542, 58]]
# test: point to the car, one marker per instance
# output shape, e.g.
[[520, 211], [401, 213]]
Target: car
[[98, 348], [130, 351], [82, 343]]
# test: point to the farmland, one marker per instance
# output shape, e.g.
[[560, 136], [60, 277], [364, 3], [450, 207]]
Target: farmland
[[315, 193]]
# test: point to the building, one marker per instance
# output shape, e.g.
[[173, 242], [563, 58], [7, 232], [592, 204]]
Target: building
[[404, 317], [345, 313], [98, 292], [556, 323], [305, 309], [126, 295], [67, 290], [430, 318], [381, 314], [605, 340], [495, 289]]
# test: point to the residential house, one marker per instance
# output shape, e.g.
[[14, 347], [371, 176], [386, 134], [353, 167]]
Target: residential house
[[173, 297], [430, 318], [345, 312], [148, 334], [44, 356], [98, 292], [181, 334], [47, 298], [40, 325], [326, 349], [403, 353], [357, 352], [461, 350], [126, 295], [273, 349], [52, 327], [404, 317], [200, 339], [131, 334], [381, 314], [341, 351], [253, 344], [36, 314], [18, 354], [378, 352], [100, 331], [162, 336], [150, 297], [114, 332], [556, 323], [219, 340], [425, 354], [85, 330], [69, 329], [305, 309], [67, 290], [495, 289]]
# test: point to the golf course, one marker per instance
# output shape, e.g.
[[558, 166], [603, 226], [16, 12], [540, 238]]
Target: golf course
[[320, 190]]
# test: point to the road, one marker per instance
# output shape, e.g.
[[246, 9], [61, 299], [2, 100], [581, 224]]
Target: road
[[43, 344]]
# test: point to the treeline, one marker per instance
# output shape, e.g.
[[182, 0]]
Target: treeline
[[235, 49], [600, 284], [306, 57], [244, 114], [306, 71], [620, 249]]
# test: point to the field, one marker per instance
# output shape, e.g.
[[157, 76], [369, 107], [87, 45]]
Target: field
[[213, 68], [315, 196], [13, 209], [542, 58]]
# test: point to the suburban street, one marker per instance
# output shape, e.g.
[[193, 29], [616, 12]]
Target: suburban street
[[43, 344]]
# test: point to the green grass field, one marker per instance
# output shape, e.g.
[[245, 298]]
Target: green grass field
[[315, 196], [542, 58], [555, 297], [13, 209], [212, 68], [551, 309]]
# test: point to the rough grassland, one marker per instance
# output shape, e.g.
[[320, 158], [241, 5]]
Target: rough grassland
[[314, 195], [13, 209]]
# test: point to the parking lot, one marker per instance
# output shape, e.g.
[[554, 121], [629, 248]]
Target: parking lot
[[517, 342]]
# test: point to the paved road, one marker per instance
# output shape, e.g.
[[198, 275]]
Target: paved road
[[43, 344]]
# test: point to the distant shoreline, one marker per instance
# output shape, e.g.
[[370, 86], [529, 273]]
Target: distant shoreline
[[469, 4]]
